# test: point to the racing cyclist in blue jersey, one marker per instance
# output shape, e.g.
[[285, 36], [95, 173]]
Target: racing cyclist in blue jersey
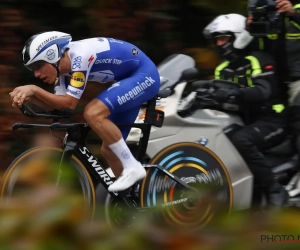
[[55, 59]]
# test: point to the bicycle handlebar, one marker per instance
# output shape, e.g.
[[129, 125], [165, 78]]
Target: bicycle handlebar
[[215, 83], [55, 125], [56, 114]]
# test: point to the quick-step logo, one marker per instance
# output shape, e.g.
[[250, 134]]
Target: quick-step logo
[[104, 176]]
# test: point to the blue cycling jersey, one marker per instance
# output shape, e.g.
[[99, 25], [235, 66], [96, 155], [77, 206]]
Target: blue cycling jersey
[[99, 60], [106, 60]]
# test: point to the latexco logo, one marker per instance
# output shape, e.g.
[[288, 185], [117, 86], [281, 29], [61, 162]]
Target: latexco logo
[[136, 91]]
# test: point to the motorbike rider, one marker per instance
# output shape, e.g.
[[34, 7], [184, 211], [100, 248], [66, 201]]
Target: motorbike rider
[[285, 47], [258, 96]]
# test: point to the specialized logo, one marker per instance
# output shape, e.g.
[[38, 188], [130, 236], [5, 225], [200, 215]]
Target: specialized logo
[[136, 91], [116, 84], [97, 167], [45, 42], [125, 154], [135, 52], [77, 79], [90, 60], [77, 62], [50, 54], [112, 61]]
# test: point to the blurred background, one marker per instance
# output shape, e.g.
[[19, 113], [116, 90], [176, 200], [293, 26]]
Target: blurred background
[[160, 28]]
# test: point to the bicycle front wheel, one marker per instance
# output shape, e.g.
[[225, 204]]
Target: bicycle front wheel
[[38, 169]]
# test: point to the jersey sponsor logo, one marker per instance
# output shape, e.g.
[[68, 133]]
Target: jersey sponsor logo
[[50, 54], [107, 60], [77, 62], [90, 60], [103, 76], [45, 42], [112, 40], [136, 91], [91, 77], [56, 80], [109, 102], [77, 79], [135, 52], [74, 92], [116, 84]]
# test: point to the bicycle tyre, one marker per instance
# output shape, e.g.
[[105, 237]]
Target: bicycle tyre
[[29, 159], [193, 163]]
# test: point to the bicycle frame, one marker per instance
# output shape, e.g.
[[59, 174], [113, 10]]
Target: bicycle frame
[[74, 143]]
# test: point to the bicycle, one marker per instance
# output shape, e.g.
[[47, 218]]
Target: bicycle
[[178, 195]]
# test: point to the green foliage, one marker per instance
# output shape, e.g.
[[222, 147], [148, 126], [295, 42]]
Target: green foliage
[[58, 223]]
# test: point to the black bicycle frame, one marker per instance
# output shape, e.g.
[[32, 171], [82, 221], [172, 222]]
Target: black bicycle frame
[[74, 143]]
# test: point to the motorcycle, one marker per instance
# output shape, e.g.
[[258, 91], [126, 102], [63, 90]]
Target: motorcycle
[[192, 116]]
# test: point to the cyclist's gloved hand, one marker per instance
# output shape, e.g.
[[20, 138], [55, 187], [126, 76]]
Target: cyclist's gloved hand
[[223, 95]]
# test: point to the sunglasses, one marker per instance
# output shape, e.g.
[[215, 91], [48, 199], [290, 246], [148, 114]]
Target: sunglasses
[[35, 66]]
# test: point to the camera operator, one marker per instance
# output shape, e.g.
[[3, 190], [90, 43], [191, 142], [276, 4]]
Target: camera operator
[[285, 47], [259, 99]]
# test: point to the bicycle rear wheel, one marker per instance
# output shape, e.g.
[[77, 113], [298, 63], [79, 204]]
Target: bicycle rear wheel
[[37, 170], [200, 168]]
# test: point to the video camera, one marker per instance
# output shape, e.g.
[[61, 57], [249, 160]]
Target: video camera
[[266, 19]]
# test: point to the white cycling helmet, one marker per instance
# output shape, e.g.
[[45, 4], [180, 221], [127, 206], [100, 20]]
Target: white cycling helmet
[[234, 24], [47, 47]]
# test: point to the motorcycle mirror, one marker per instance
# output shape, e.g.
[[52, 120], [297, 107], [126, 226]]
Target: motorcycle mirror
[[189, 74]]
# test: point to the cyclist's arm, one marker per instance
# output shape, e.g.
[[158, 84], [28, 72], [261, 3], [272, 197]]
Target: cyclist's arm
[[54, 101], [82, 59], [68, 91], [33, 100]]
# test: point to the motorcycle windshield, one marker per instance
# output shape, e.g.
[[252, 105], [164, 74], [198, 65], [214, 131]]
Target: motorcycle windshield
[[171, 68]]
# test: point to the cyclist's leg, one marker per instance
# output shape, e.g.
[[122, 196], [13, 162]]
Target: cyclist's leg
[[111, 158], [123, 96]]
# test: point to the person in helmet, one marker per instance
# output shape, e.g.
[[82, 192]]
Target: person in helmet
[[55, 59], [259, 98]]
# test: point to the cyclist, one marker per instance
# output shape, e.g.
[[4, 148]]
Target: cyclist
[[55, 59], [259, 98]]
